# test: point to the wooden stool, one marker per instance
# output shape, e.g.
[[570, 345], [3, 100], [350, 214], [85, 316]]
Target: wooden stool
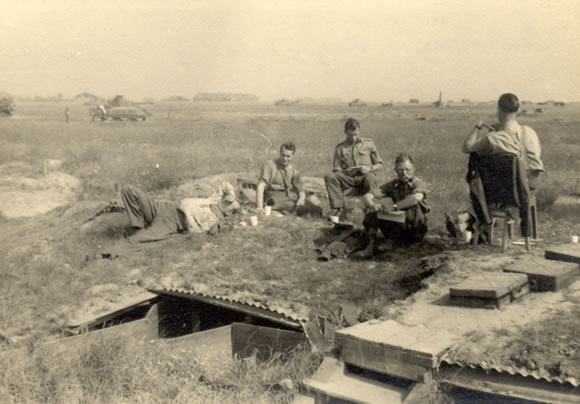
[[508, 228], [533, 216]]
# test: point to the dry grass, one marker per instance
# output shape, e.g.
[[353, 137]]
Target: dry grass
[[48, 262], [118, 370]]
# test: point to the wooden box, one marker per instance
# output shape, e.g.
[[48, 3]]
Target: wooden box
[[545, 275], [489, 290], [566, 252]]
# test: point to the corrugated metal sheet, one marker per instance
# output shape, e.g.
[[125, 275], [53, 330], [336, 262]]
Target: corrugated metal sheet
[[537, 375], [286, 317]]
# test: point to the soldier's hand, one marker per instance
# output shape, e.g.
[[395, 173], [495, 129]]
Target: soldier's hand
[[300, 202], [489, 127], [377, 207], [387, 205], [365, 169]]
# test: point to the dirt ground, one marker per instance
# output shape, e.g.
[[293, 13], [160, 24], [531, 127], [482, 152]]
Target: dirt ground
[[537, 334]]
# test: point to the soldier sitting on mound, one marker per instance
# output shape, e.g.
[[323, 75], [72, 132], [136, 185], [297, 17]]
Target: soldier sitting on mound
[[355, 162], [280, 185], [156, 219], [405, 197]]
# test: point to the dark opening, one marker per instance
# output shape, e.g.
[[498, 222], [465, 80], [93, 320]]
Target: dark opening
[[179, 316]]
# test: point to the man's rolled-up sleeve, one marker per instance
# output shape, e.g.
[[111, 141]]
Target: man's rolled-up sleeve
[[420, 187], [297, 182], [266, 173], [375, 156], [337, 162]]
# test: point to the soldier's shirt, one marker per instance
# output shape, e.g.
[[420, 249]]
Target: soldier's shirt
[[509, 139], [280, 178], [363, 152], [398, 190]]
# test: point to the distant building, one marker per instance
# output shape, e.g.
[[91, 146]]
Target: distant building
[[413, 101], [225, 97]]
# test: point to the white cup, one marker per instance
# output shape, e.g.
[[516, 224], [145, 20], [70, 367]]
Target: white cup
[[574, 239], [267, 210], [254, 220], [467, 236], [334, 219]]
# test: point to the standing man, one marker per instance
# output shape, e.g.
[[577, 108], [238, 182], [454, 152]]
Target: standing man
[[408, 194], [508, 136], [280, 185], [355, 162], [66, 115]]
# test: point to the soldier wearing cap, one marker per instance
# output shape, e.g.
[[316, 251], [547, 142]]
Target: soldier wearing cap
[[355, 162]]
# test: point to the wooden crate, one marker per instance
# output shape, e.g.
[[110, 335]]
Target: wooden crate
[[566, 252], [489, 290], [395, 349], [545, 275]]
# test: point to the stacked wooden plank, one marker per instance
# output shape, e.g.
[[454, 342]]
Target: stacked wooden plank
[[545, 275], [566, 252], [409, 352], [489, 290]]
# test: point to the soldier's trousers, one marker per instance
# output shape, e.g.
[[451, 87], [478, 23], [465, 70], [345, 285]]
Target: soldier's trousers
[[338, 182], [156, 219], [413, 230]]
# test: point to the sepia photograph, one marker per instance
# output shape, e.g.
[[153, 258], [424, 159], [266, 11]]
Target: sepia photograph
[[290, 202]]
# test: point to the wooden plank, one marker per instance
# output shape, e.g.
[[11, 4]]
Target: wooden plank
[[331, 382], [489, 285], [514, 386], [546, 275], [140, 330], [566, 252], [248, 339], [417, 344], [118, 308], [480, 302], [210, 346], [420, 393], [490, 303], [377, 357]]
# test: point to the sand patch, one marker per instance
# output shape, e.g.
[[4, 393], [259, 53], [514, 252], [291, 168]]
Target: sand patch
[[26, 193]]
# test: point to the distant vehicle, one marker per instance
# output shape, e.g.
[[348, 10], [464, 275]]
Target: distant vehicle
[[6, 105], [357, 102], [119, 109], [123, 113]]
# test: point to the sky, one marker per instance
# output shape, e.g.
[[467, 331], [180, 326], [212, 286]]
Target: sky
[[374, 50]]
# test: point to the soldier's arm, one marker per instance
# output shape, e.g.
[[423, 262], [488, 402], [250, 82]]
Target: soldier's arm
[[472, 143], [336, 164], [419, 193], [376, 159], [260, 195]]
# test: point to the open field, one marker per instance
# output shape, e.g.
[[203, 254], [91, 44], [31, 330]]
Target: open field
[[48, 262]]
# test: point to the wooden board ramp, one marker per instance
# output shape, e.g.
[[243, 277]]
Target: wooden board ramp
[[332, 383], [142, 330], [409, 352], [545, 275], [489, 290], [565, 252], [248, 340], [144, 300]]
